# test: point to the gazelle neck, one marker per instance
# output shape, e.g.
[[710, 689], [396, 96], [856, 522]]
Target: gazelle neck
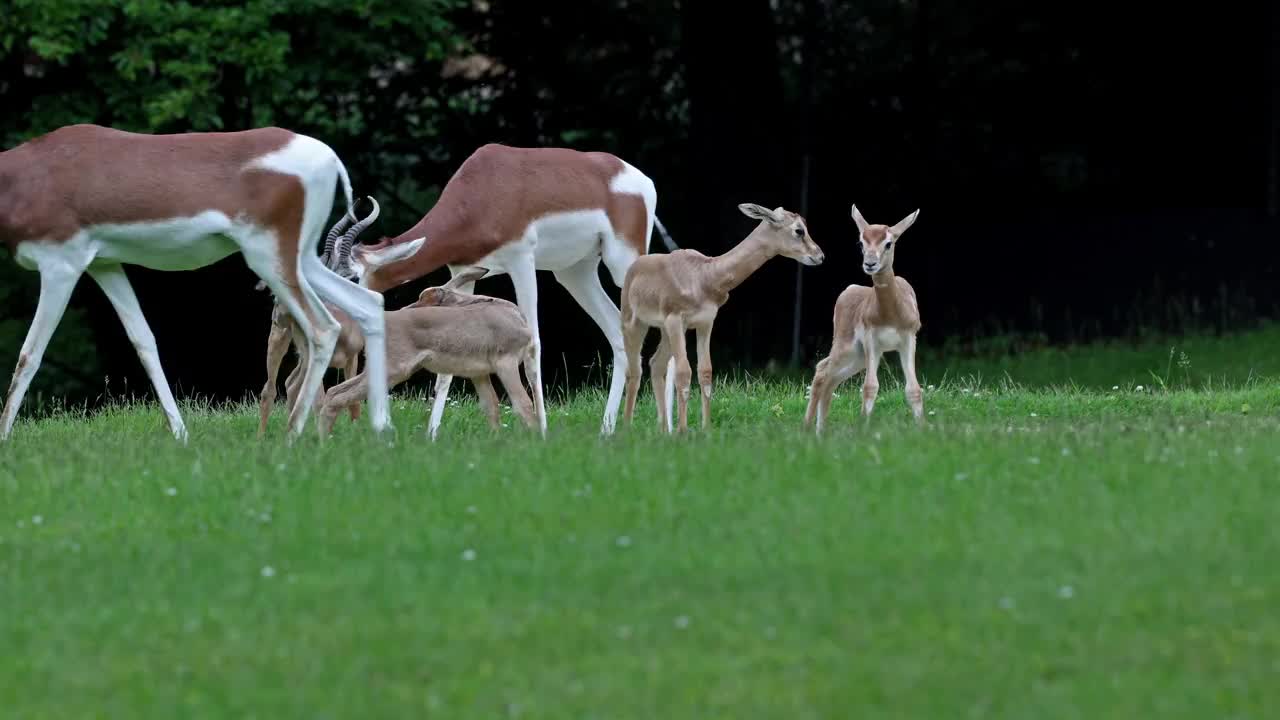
[[730, 269]]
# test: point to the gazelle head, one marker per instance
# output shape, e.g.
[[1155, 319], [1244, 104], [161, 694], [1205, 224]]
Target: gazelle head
[[785, 233], [879, 241], [357, 262], [338, 243]]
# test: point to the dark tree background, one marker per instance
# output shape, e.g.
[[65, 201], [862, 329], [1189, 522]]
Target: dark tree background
[[1082, 173]]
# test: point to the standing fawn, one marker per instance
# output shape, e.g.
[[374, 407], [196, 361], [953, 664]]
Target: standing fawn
[[458, 334], [868, 322], [684, 290]]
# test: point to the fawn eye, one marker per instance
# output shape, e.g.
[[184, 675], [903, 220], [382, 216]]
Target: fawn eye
[[888, 244], [799, 232]]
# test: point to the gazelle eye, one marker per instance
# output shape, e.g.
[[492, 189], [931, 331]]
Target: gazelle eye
[[799, 232]]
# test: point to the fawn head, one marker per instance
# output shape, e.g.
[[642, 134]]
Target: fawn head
[[449, 294], [879, 241], [785, 233]]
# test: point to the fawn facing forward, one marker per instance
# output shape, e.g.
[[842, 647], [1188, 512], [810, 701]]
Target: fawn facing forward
[[684, 290], [868, 322]]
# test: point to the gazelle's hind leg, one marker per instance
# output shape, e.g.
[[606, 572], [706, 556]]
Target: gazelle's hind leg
[[582, 280], [260, 249], [115, 285], [509, 375], [277, 347], [59, 270]]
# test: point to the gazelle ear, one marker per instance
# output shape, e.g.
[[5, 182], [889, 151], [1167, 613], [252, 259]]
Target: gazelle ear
[[758, 212], [903, 224], [860, 221]]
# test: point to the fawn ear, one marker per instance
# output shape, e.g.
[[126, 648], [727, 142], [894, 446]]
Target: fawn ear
[[758, 212], [471, 274], [903, 224], [860, 221]]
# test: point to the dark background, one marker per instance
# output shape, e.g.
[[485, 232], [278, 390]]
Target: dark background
[[1083, 169]]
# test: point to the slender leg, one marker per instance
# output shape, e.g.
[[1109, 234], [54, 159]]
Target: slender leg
[[437, 405], [509, 376], [366, 308], [444, 381], [277, 347], [871, 383], [704, 372], [524, 278], [633, 340], [488, 400], [844, 362], [662, 379], [345, 393], [57, 280], [115, 284], [294, 380], [915, 396], [684, 374], [351, 370], [583, 283]]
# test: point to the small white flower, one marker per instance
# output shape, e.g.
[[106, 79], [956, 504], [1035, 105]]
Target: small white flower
[[931, 387], [1139, 388], [1033, 460], [280, 467], [1066, 452], [962, 476], [624, 541], [37, 519], [171, 491], [933, 412], [268, 571], [1034, 415], [468, 554], [1066, 592], [682, 622], [1115, 387], [1007, 603], [471, 509]]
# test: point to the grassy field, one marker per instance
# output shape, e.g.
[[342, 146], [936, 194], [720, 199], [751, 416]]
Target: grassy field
[[1056, 542]]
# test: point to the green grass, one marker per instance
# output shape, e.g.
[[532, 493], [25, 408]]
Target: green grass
[[1035, 551]]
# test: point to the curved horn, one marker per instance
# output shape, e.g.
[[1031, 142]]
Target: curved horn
[[347, 240], [331, 240]]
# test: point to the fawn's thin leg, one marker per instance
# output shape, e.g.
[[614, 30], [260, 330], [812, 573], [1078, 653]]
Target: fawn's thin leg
[[675, 331], [632, 341], [353, 369], [870, 384], [658, 380], [915, 396], [704, 372], [509, 376], [339, 396], [277, 347], [488, 400]]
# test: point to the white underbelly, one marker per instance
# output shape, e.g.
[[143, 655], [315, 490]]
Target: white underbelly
[[555, 241], [178, 244]]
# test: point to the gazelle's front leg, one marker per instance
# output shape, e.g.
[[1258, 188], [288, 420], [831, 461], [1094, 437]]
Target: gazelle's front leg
[[704, 372], [57, 280], [915, 397], [444, 381], [525, 281], [871, 384]]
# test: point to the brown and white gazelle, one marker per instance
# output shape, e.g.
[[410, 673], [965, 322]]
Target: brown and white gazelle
[[684, 290], [518, 210], [868, 322], [86, 198]]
